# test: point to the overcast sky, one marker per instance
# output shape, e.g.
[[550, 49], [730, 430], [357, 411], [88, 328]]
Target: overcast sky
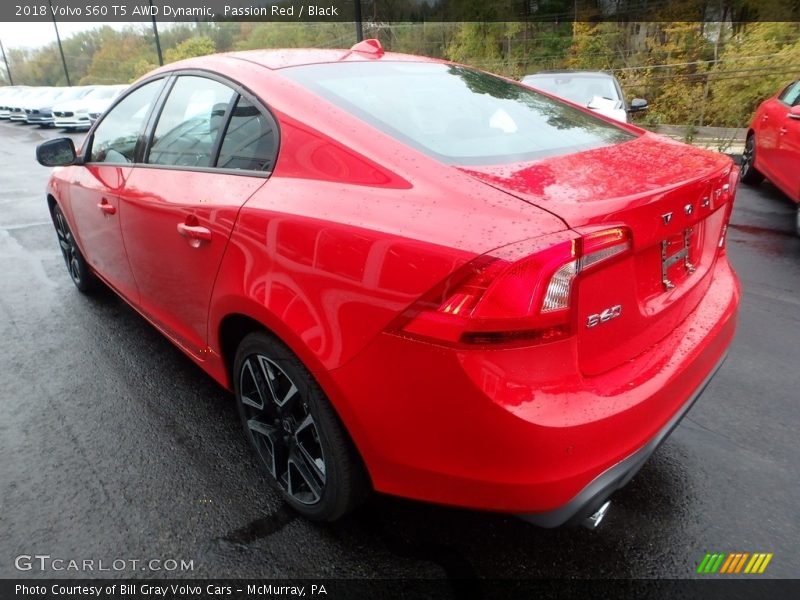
[[32, 35]]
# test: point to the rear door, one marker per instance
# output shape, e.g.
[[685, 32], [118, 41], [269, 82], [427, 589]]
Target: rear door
[[211, 148]]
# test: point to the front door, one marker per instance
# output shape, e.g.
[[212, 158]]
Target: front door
[[98, 186], [787, 157]]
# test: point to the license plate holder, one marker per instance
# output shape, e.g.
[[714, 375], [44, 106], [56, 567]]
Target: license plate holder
[[682, 255]]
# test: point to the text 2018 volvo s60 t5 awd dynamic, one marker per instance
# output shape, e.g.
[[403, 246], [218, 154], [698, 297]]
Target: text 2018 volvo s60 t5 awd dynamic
[[417, 277]]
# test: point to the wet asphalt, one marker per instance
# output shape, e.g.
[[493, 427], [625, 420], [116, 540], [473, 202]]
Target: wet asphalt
[[114, 445]]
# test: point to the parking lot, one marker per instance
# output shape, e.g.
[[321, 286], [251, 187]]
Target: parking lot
[[115, 445]]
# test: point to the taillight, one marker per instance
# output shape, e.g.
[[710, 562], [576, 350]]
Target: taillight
[[518, 293], [729, 195]]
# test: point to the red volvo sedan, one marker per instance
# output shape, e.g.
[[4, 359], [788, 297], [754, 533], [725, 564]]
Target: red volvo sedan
[[417, 277], [772, 148]]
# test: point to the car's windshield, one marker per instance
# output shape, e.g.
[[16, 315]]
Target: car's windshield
[[456, 114], [580, 89]]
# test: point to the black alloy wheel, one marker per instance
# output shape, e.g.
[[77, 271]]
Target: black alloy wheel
[[750, 175], [295, 431], [79, 271]]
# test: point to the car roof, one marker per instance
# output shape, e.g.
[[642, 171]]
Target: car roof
[[296, 57], [369, 50]]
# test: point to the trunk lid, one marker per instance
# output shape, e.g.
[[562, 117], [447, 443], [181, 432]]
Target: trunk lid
[[673, 199]]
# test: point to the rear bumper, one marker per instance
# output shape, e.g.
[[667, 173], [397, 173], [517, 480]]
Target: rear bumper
[[522, 430], [594, 495]]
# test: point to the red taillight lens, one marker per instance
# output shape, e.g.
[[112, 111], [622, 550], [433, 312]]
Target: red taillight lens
[[517, 293], [729, 191]]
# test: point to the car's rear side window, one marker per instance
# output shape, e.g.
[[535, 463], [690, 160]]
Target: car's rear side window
[[456, 114], [250, 139], [190, 123]]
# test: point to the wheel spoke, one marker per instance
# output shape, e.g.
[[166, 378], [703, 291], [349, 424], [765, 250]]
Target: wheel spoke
[[269, 443], [307, 439], [252, 393], [74, 269], [304, 484], [281, 387]]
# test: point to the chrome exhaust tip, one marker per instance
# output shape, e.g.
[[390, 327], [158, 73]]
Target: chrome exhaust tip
[[594, 520]]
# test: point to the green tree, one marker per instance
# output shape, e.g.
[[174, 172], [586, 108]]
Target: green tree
[[754, 65], [194, 46]]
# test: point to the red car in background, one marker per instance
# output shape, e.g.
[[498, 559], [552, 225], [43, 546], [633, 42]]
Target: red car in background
[[417, 277], [772, 149]]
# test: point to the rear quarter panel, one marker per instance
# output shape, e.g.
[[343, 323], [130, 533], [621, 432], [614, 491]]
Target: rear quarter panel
[[351, 228]]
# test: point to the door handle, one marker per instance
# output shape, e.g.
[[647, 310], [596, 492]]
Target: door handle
[[107, 208], [195, 232]]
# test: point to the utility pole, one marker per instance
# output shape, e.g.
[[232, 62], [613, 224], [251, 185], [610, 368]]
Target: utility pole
[[60, 47], [5, 60], [155, 32], [357, 17]]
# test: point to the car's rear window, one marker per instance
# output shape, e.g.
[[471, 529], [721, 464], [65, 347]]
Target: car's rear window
[[456, 114]]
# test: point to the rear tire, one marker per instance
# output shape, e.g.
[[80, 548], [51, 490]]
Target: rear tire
[[750, 175], [797, 221], [78, 269], [295, 431]]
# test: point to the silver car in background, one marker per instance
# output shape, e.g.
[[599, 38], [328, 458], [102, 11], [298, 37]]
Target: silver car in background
[[17, 104]]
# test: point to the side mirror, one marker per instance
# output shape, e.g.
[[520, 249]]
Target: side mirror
[[638, 105], [794, 113], [59, 152]]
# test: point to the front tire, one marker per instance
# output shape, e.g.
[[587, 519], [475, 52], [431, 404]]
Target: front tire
[[78, 269], [296, 433], [750, 175]]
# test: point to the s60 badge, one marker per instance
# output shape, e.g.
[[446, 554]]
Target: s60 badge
[[603, 317]]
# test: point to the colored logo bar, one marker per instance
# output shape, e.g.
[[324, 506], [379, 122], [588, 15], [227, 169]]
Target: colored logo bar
[[735, 562]]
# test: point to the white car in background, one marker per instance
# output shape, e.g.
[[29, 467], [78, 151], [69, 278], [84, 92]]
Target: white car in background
[[41, 112], [7, 94], [596, 90], [78, 114]]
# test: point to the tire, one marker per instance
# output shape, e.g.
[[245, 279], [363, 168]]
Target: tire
[[78, 269], [750, 175], [295, 431], [797, 221]]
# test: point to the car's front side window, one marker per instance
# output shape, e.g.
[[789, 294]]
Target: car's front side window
[[791, 95], [190, 123], [114, 140]]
